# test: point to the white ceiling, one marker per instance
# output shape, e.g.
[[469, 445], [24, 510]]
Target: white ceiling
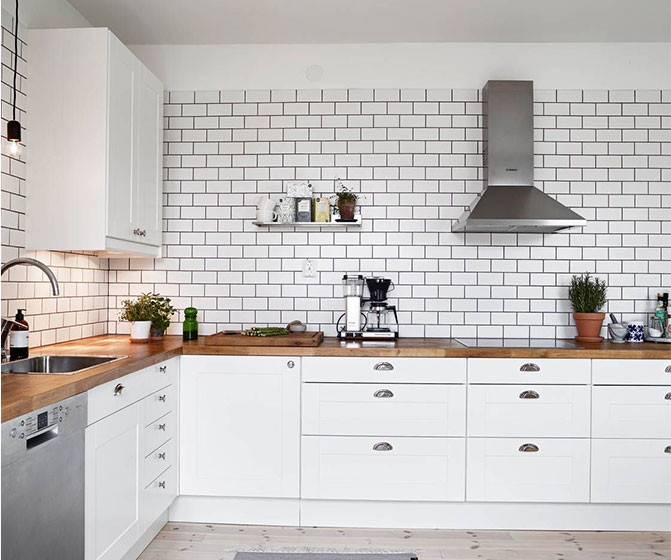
[[379, 21]]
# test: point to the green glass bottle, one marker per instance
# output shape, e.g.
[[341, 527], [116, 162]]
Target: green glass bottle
[[190, 323]]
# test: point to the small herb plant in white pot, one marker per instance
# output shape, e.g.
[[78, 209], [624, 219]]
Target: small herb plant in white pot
[[138, 313]]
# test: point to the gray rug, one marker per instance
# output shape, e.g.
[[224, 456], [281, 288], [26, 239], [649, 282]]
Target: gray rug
[[321, 556]]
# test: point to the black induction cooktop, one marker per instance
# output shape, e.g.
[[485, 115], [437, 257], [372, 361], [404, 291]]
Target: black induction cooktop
[[516, 343]]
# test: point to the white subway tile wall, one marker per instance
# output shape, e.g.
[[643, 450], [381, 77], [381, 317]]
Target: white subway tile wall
[[81, 310], [415, 157]]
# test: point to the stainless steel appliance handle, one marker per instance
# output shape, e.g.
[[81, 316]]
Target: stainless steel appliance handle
[[383, 366], [529, 395], [530, 367], [383, 446], [42, 437], [383, 394], [528, 448]]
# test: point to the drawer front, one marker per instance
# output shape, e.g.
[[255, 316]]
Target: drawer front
[[631, 372], [631, 471], [553, 470], [162, 374], [529, 370], [159, 431], [159, 460], [160, 403], [385, 370], [350, 468], [157, 497], [362, 409], [106, 399], [529, 410], [631, 412]]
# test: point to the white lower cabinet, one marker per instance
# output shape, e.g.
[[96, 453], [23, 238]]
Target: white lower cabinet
[[113, 461], [383, 468], [365, 409], [240, 426], [631, 471], [529, 410], [631, 412], [131, 463], [528, 470]]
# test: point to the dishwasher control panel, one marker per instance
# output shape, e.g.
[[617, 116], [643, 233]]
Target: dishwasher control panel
[[25, 426]]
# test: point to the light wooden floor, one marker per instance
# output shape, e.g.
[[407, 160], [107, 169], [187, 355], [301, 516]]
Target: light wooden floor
[[186, 541]]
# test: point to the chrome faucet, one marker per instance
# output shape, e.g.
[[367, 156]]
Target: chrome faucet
[[7, 323]]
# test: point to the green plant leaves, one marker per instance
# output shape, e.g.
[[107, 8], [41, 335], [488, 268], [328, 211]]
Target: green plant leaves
[[587, 294]]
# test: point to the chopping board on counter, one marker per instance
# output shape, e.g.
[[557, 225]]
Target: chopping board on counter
[[308, 338]]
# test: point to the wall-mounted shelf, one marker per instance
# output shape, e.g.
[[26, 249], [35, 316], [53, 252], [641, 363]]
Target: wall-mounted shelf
[[309, 225]]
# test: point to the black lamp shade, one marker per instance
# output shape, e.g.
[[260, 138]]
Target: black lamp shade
[[14, 131]]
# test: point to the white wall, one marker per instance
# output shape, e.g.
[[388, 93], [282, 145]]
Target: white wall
[[445, 65], [45, 14]]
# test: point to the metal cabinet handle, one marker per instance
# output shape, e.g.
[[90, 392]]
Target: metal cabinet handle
[[668, 369], [162, 369], [161, 456], [136, 231], [143, 233], [530, 367], [529, 395], [290, 364], [383, 446], [667, 397], [162, 484], [117, 390], [667, 449], [383, 394], [528, 448], [161, 398], [161, 427], [383, 366]]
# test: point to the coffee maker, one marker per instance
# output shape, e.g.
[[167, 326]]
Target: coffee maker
[[367, 318]]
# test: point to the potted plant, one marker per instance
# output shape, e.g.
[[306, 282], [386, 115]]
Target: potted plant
[[138, 313], [346, 201], [588, 297], [161, 311]]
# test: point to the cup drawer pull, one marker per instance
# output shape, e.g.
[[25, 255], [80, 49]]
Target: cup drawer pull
[[667, 397], [530, 367], [667, 449], [668, 369], [161, 398], [383, 366], [383, 446], [529, 395], [118, 389], [528, 448], [383, 394]]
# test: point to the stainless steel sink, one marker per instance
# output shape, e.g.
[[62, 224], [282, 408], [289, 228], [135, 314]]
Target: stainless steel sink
[[66, 365]]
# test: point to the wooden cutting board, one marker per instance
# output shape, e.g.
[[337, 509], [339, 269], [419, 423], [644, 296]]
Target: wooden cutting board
[[308, 338]]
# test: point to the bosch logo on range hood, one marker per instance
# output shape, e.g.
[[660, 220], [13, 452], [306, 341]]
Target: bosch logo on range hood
[[510, 202]]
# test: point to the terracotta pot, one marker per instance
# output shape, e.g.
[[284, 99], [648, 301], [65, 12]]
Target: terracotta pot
[[347, 210], [589, 326]]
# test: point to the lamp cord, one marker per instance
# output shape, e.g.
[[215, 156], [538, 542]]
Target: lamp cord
[[16, 55]]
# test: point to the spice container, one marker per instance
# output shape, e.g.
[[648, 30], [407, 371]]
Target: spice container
[[190, 323], [304, 209]]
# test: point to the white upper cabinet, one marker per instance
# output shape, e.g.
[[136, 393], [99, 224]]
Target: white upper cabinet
[[95, 119]]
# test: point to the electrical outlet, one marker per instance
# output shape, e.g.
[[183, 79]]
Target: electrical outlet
[[309, 268]]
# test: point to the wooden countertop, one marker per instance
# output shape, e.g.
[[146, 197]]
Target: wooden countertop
[[22, 393], [435, 348]]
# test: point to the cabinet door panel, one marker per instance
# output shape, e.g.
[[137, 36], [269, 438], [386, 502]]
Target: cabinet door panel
[[631, 471], [149, 122], [121, 164], [631, 412], [113, 458], [529, 410], [500, 471], [240, 426]]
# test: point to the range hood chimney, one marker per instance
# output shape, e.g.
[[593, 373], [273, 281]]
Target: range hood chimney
[[510, 203]]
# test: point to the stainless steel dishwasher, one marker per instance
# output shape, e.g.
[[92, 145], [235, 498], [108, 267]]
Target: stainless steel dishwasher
[[43, 482]]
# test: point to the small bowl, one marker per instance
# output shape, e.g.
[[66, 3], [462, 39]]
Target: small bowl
[[617, 332], [297, 327]]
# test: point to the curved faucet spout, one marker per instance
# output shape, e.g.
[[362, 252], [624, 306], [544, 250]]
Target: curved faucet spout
[[33, 262]]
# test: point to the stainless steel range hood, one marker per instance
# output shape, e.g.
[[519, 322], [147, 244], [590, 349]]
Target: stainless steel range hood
[[510, 202]]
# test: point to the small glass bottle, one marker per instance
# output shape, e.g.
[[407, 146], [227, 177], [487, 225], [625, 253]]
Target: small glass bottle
[[190, 323]]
